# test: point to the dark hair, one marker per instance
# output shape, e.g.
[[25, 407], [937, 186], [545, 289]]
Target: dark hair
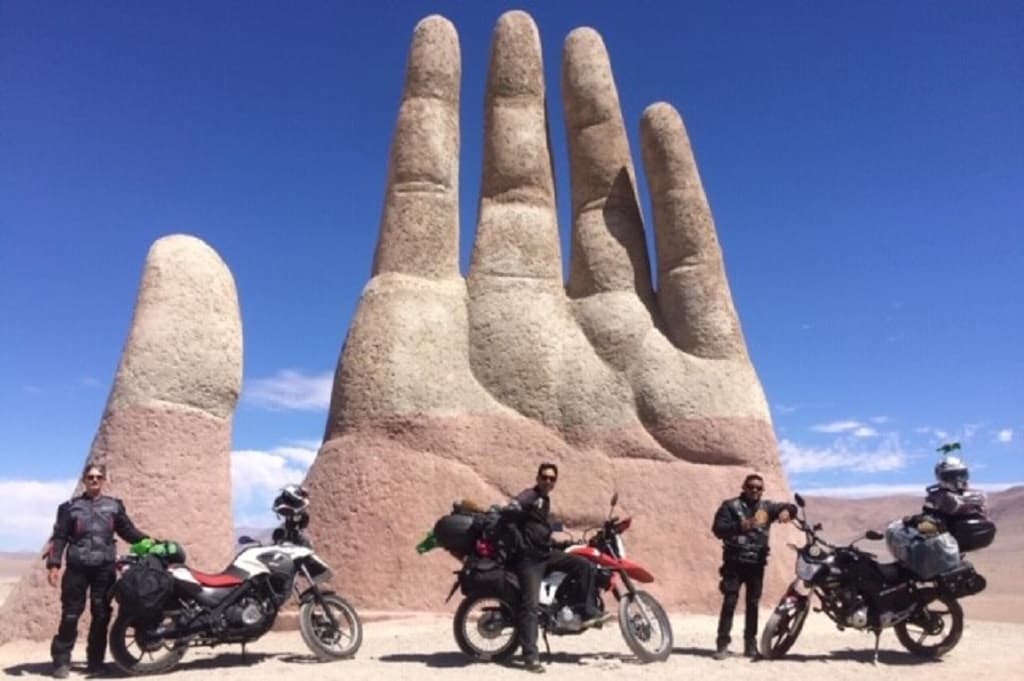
[[752, 476], [90, 466], [544, 466]]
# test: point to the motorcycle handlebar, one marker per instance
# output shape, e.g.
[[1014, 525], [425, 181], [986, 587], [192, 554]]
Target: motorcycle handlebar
[[813, 536], [809, 532]]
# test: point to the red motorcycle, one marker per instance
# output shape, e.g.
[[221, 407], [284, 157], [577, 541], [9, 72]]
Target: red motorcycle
[[486, 623]]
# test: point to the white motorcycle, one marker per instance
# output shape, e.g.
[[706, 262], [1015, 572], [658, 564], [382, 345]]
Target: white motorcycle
[[167, 607]]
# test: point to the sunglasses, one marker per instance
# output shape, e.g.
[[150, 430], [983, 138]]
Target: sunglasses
[[94, 477], [549, 478], [754, 488]]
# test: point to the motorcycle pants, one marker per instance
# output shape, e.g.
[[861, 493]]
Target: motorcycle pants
[[99, 582], [735, 575]]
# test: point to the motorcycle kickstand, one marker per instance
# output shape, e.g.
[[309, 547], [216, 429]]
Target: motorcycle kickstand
[[547, 646], [878, 638], [243, 652]]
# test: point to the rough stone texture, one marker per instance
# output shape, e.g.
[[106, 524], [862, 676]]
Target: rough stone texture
[[449, 387], [165, 435]]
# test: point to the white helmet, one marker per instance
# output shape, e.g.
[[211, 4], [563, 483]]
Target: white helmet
[[951, 473], [291, 501]]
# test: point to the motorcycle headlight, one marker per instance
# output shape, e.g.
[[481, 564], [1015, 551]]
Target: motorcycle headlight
[[806, 570]]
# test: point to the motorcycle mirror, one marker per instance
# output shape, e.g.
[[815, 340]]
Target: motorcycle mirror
[[615, 499], [558, 527], [874, 535], [799, 500], [817, 527], [246, 539]]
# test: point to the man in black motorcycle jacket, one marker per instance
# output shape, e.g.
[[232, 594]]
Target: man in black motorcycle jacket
[[743, 524], [86, 526], [527, 519]]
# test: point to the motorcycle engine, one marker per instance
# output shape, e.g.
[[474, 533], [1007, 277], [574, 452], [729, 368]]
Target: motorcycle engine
[[858, 619], [248, 612], [849, 607]]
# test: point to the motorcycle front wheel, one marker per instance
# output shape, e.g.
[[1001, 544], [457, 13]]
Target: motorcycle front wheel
[[645, 626], [486, 628], [782, 630], [330, 641], [138, 650], [933, 630]]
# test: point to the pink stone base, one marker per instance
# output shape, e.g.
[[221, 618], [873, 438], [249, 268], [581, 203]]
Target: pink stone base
[[377, 491], [173, 471]]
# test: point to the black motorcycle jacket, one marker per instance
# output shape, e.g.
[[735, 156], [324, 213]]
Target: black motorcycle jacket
[[527, 515], [86, 527], [750, 546]]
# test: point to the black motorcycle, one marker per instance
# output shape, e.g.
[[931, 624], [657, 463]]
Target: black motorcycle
[[167, 607], [855, 590]]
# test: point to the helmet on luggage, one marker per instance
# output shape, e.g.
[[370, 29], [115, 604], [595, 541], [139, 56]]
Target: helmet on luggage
[[291, 501], [951, 473]]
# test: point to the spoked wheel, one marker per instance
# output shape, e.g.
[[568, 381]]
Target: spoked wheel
[[782, 630], [934, 630], [331, 640], [137, 649], [486, 629], [645, 626]]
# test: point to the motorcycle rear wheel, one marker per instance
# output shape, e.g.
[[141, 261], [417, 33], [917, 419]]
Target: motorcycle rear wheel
[[479, 619], [136, 651], [327, 641], [782, 630], [932, 621], [645, 626]]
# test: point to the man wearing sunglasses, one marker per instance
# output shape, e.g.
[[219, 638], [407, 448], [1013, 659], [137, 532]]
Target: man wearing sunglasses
[[85, 527], [531, 529], [742, 524]]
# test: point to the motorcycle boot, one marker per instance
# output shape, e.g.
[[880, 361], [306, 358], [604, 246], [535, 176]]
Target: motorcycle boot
[[61, 671], [722, 650], [750, 649], [532, 664]]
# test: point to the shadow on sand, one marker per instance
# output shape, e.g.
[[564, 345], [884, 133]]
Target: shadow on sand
[[446, 660], [863, 656], [450, 660], [859, 655]]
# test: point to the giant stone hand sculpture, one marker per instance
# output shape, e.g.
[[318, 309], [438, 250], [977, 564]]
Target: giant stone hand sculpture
[[452, 387], [166, 430]]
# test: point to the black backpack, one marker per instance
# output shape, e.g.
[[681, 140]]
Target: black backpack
[[145, 587]]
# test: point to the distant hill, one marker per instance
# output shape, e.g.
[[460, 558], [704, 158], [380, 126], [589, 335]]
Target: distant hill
[[260, 534]]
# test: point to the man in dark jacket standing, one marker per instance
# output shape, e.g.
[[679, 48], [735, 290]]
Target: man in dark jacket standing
[[86, 526], [528, 513], [743, 525]]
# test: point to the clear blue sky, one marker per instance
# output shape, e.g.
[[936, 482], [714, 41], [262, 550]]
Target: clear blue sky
[[864, 162]]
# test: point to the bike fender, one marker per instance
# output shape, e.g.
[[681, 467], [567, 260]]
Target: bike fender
[[791, 603], [308, 595]]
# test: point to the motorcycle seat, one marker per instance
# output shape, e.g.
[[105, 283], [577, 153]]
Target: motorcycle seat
[[217, 581], [891, 572]]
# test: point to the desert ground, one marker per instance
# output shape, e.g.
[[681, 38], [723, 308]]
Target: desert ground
[[420, 646]]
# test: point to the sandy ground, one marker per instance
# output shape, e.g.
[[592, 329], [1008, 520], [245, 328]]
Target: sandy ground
[[421, 647], [6, 584]]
